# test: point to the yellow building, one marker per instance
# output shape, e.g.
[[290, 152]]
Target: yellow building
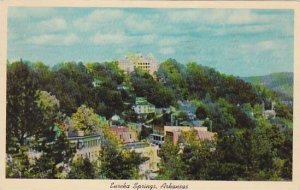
[[174, 132], [148, 169], [138, 61], [87, 146]]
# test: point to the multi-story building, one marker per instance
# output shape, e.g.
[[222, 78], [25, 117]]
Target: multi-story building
[[174, 132], [157, 139], [147, 170], [87, 146], [125, 134], [142, 106], [138, 61]]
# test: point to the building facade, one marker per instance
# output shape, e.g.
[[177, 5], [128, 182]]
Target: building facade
[[174, 132], [138, 61], [149, 169], [87, 146], [125, 134], [142, 106]]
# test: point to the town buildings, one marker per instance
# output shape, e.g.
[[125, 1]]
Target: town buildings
[[174, 132], [149, 169], [125, 134], [142, 106], [138, 61], [87, 146]]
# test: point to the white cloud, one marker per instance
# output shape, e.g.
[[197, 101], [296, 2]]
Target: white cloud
[[167, 51], [244, 29], [54, 24], [218, 16], [25, 13], [246, 16], [171, 41], [118, 38], [138, 24], [54, 39], [96, 18], [122, 39], [269, 45], [148, 39], [184, 16]]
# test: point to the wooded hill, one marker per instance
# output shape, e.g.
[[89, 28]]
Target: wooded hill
[[248, 146]]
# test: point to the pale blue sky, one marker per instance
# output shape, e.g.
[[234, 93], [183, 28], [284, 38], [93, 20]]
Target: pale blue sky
[[242, 42]]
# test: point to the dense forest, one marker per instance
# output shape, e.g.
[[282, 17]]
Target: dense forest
[[282, 83], [248, 145]]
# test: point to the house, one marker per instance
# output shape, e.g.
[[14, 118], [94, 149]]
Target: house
[[97, 82], [87, 146], [125, 134], [163, 110], [115, 120], [138, 61], [149, 169], [174, 132], [268, 114], [156, 139], [142, 106]]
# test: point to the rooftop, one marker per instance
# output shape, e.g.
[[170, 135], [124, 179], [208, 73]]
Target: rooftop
[[136, 145]]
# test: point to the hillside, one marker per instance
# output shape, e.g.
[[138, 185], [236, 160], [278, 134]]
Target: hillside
[[280, 82]]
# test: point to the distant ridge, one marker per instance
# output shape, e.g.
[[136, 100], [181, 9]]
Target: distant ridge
[[280, 82]]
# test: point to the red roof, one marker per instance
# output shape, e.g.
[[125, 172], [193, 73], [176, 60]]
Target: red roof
[[205, 135], [125, 134], [120, 129]]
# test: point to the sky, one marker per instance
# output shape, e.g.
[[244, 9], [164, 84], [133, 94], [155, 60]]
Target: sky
[[240, 42]]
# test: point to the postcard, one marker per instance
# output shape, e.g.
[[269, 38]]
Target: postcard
[[149, 95]]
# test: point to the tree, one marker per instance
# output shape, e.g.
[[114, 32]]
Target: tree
[[201, 112], [31, 118], [24, 118], [73, 86], [116, 162], [171, 166], [172, 75], [55, 158], [284, 111], [18, 165], [189, 159], [82, 169], [145, 86], [85, 120]]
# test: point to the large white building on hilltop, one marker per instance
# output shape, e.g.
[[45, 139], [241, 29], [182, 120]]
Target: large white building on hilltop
[[132, 61]]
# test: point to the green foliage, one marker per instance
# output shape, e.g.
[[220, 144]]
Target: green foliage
[[247, 147], [145, 86], [24, 117], [284, 111], [18, 165], [56, 156], [117, 163], [82, 169], [145, 132], [171, 166], [282, 83], [201, 112], [171, 73], [191, 160], [85, 120], [202, 80]]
